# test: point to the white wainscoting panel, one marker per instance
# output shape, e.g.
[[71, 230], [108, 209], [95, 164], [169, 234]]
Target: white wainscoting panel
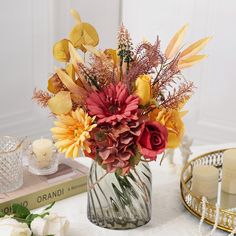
[[28, 32]]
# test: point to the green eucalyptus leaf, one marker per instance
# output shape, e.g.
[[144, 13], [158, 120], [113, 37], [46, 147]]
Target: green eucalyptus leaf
[[20, 211], [2, 214]]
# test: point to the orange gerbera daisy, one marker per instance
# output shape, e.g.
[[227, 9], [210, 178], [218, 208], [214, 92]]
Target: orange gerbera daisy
[[72, 131]]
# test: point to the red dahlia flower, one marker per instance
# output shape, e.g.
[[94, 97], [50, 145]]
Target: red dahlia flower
[[113, 104]]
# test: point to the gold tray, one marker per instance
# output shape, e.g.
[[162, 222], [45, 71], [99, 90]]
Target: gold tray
[[193, 204]]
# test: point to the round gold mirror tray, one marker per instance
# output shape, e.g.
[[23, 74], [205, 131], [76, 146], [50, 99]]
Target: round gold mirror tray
[[227, 215]]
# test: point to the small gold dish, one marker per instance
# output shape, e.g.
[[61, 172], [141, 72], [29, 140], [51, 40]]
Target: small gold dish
[[227, 217]]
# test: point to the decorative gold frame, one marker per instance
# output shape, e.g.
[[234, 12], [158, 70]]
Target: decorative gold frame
[[193, 204]]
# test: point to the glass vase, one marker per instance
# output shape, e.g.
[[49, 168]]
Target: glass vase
[[11, 170], [119, 202]]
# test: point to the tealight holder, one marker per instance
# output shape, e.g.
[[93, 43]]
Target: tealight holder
[[11, 170], [44, 165]]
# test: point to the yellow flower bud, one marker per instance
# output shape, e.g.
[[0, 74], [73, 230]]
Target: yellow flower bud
[[143, 89]]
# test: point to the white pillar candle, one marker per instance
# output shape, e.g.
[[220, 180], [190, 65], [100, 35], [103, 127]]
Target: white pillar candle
[[205, 181], [229, 171], [42, 148]]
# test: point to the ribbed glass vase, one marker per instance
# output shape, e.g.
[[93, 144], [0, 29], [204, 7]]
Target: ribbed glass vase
[[119, 202]]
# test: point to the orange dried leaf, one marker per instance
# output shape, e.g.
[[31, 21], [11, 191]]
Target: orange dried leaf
[[54, 84], [190, 61], [194, 48], [69, 83], [175, 42], [70, 71], [61, 50]]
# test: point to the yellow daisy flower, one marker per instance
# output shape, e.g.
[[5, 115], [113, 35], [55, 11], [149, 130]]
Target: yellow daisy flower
[[71, 132]]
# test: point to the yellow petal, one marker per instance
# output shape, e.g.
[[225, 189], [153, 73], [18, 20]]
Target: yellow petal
[[194, 48], [67, 120], [60, 136], [143, 89], [183, 113], [61, 51], [60, 103], [58, 130], [59, 124], [75, 152], [190, 61], [76, 35], [69, 83], [175, 42], [64, 143], [69, 152], [76, 15]]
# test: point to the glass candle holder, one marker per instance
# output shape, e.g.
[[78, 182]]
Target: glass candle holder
[[42, 166], [11, 169]]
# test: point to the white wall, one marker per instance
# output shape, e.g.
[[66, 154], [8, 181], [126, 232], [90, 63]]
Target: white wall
[[28, 31], [25, 62], [212, 111]]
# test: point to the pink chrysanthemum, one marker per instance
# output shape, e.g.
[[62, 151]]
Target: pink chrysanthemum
[[113, 104]]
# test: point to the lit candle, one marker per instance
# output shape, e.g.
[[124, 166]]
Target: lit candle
[[205, 181], [229, 171], [42, 149]]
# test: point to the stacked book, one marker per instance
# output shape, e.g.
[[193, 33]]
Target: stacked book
[[38, 191]]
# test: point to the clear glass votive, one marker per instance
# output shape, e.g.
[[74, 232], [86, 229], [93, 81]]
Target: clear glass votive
[[11, 169], [42, 166]]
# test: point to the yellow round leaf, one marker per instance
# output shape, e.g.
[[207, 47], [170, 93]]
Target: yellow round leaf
[[84, 34], [90, 35], [61, 50], [61, 103], [76, 36]]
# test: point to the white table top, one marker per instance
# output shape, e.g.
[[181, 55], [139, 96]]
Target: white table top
[[169, 217]]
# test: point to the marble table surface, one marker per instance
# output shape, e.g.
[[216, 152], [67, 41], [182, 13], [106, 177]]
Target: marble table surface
[[169, 217]]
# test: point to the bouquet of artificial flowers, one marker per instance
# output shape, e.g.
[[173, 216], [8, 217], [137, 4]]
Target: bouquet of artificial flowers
[[119, 106]]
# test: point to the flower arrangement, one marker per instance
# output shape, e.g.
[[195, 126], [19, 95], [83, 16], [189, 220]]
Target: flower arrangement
[[119, 106]]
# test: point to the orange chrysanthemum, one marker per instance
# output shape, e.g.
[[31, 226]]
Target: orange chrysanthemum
[[72, 131]]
